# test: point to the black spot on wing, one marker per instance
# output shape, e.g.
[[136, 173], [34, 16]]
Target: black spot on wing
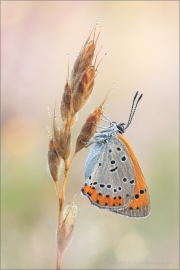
[[113, 170]]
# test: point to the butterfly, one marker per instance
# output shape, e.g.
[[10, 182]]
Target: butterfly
[[113, 177]]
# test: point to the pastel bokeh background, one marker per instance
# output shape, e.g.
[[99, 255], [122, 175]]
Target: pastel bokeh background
[[141, 39]]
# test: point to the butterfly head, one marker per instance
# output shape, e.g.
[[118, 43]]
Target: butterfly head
[[120, 127]]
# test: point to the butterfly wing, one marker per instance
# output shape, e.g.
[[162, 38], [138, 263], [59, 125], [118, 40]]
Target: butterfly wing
[[110, 176], [140, 204]]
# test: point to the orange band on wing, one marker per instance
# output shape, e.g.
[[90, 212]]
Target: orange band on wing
[[101, 200], [141, 196]]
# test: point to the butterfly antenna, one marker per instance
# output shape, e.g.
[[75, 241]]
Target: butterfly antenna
[[133, 109]]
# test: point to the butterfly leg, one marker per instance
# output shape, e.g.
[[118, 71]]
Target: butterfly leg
[[84, 142], [104, 120], [98, 140], [107, 119]]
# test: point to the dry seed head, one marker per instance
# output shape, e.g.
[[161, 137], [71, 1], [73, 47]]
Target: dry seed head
[[89, 128], [73, 118], [65, 231], [54, 161], [84, 89], [56, 133], [62, 140], [83, 61], [66, 104], [65, 141]]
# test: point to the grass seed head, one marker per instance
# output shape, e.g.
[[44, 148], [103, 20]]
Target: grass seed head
[[62, 140], [54, 161], [83, 61], [66, 230], [66, 104], [84, 89], [89, 127]]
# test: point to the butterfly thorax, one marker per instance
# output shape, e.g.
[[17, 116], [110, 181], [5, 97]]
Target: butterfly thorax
[[112, 130], [105, 134]]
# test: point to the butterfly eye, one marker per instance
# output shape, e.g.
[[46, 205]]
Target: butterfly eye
[[120, 127]]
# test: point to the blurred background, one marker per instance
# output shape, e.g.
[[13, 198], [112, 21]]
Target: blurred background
[[141, 39]]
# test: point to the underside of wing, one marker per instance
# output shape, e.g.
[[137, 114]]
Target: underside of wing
[[110, 176], [140, 204]]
